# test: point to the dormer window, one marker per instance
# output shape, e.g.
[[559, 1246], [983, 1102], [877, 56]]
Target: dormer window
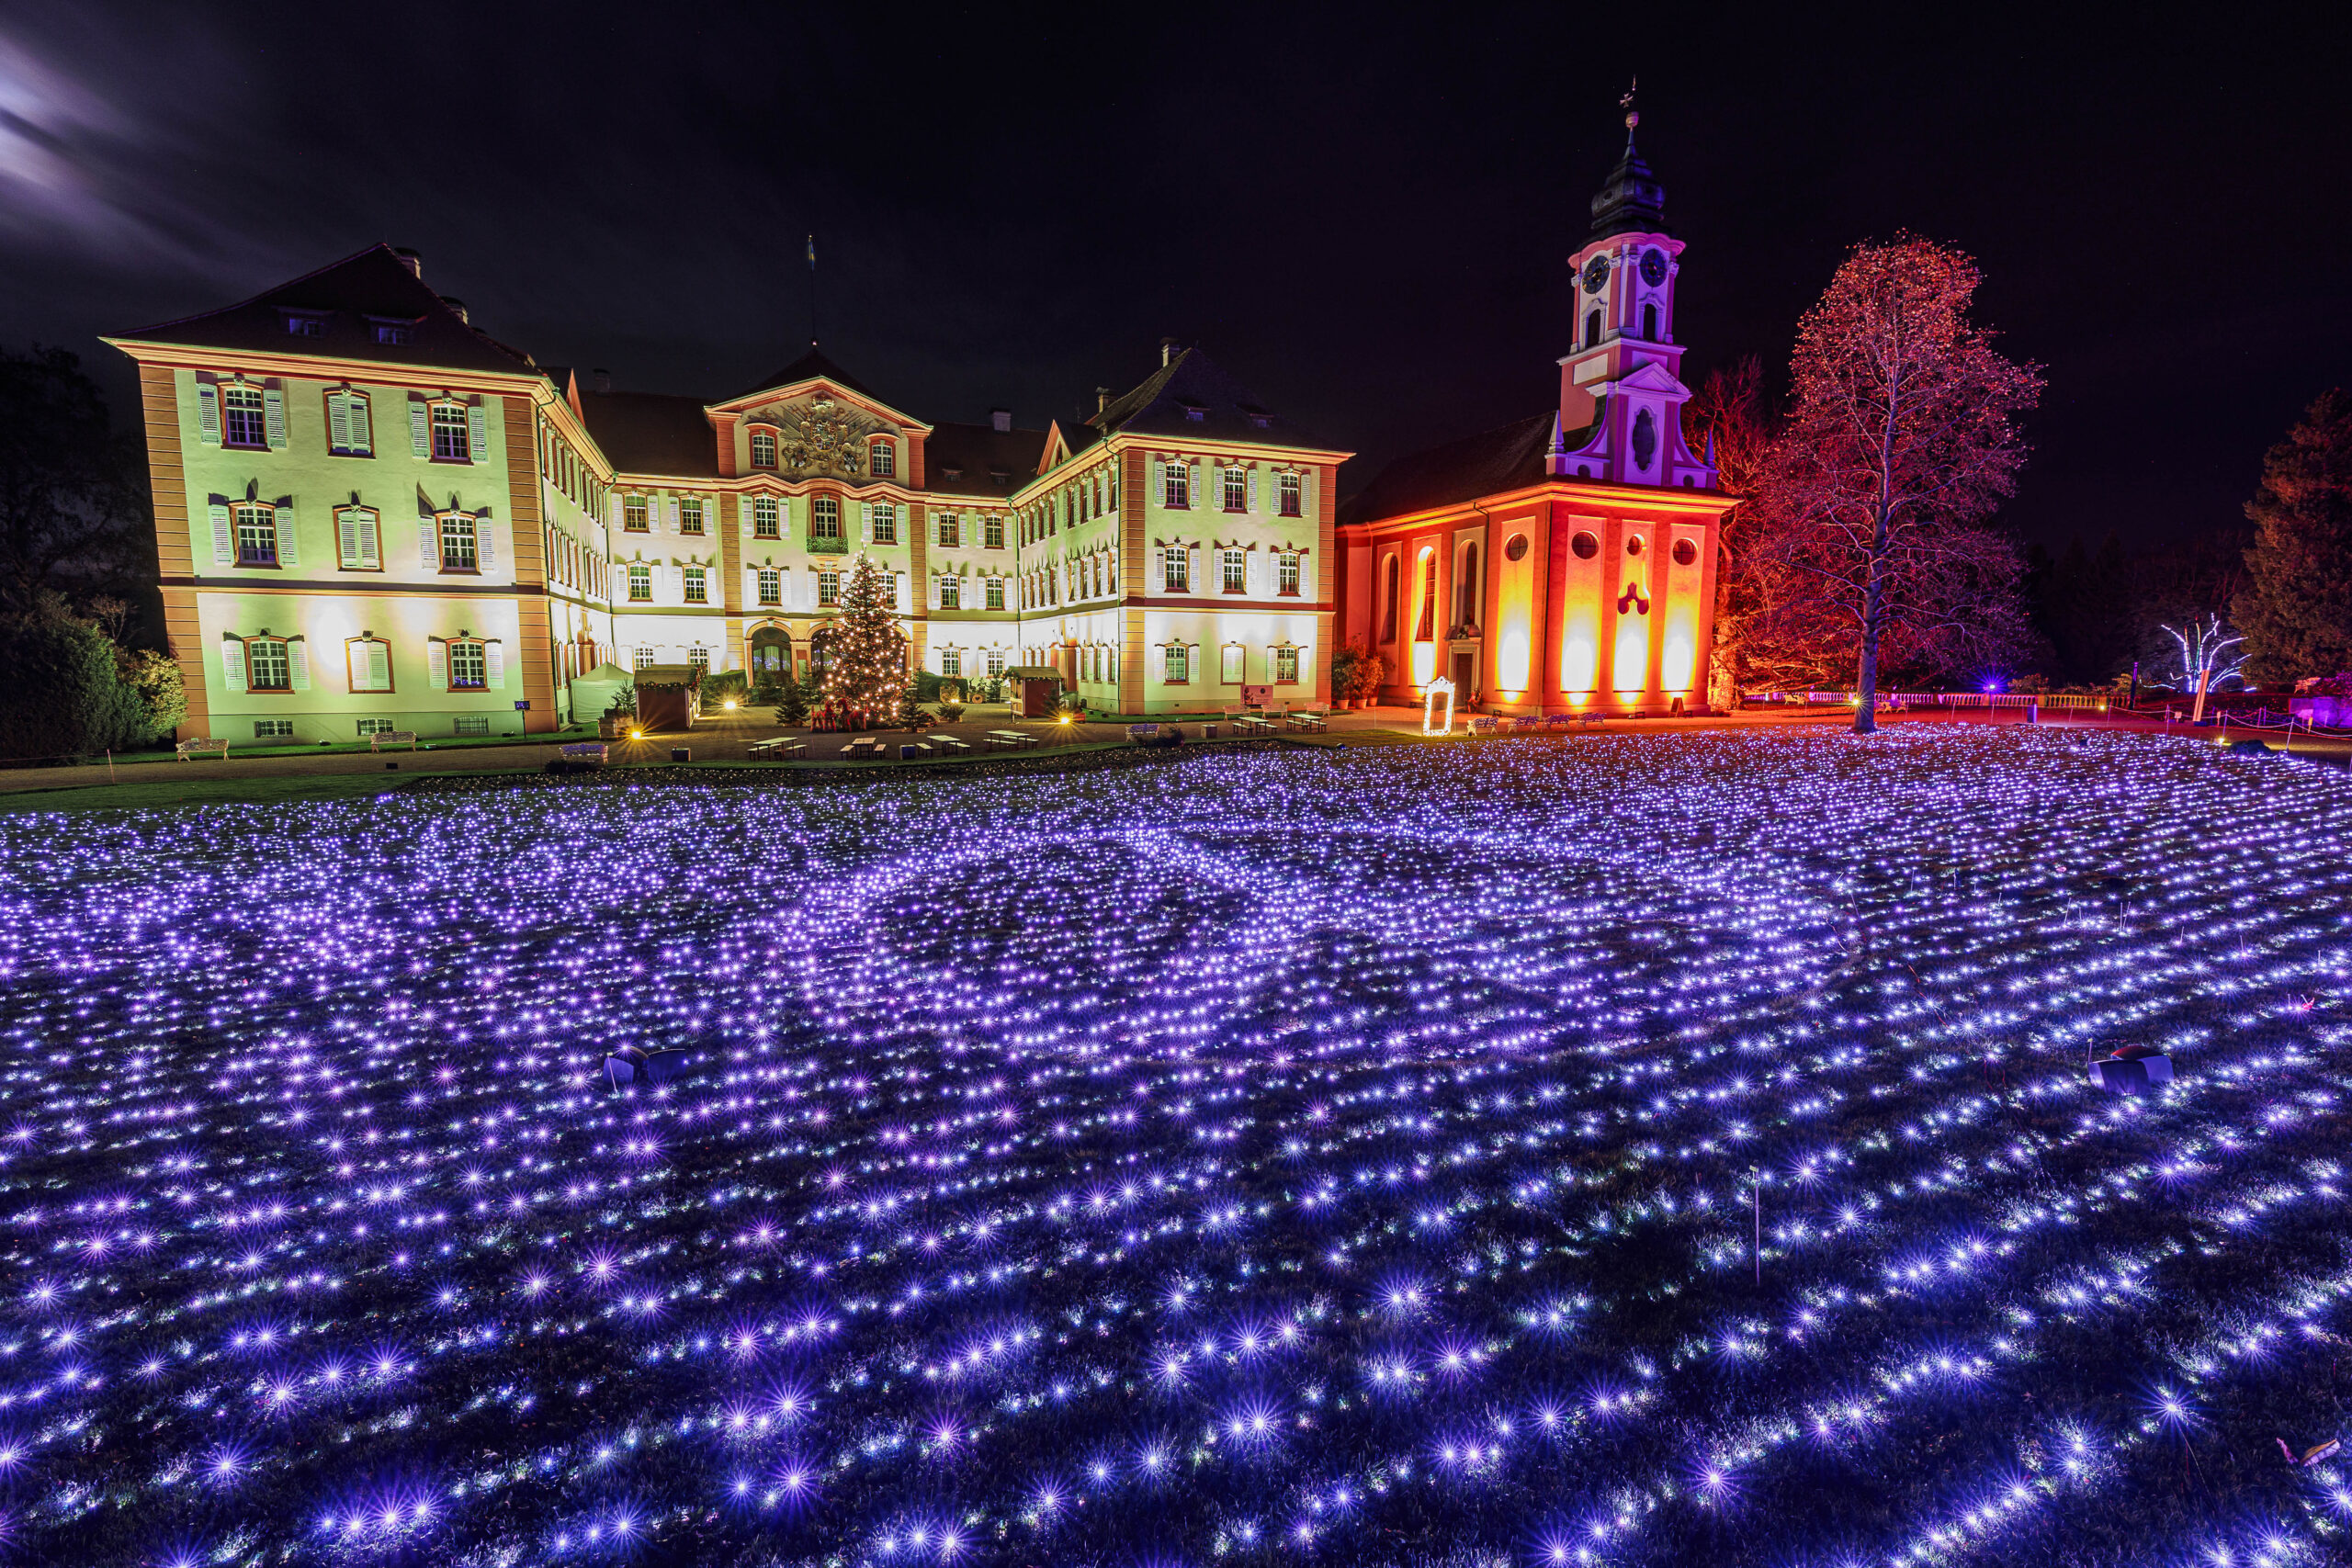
[[392, 331], [305, 326], [952, 472], [1197, 413]]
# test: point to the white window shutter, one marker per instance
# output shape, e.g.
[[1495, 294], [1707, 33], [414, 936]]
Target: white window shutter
[[224, 538], [273, 416], [339, 420], [1253, 492], [485, 544], [1193, 561], [675, 526], [612, 511], [379, 666], [1252, 577], [371, 546], [898, 591], [428, 542], [865, 511], [1193, 495], [355, 409], [298, 664], [232, 664], [346, 538], [208, 414], [477, 432], [290, 535], [420, 427], [493, 654], [1305, 492], [436, 664]]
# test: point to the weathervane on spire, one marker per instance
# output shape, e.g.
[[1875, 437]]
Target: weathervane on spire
[[1633, 115]]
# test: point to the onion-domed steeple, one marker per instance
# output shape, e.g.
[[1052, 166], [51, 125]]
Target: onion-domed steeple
[[1633, 201]]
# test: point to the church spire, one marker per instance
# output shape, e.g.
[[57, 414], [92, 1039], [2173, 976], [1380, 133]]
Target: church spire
[[1633, 201]]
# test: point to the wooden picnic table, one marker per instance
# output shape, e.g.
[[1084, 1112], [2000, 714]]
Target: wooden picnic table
[[948, 743], [1012, 739]]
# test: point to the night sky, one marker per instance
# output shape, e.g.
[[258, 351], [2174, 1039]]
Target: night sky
[[1363, 215]]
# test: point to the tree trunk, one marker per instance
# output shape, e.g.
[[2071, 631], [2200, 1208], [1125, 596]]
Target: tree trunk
[[1874, 597]]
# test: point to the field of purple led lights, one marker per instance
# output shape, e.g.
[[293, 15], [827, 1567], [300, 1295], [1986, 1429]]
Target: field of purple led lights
[[1347, 1157]]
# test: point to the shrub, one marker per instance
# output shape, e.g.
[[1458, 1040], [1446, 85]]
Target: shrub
[[65, 695], [793, 699]]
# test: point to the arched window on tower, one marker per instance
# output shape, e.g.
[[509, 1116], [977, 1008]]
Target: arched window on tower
[[1466, 608], [1592, 330], [1649, 324], [1426, 629], [1390, 601]]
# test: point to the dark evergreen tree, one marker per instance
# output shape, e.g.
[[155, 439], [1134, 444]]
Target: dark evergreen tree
[[2296, 606]]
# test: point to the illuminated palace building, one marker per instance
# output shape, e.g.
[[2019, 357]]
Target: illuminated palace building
[[372, 516], [1566, 562]]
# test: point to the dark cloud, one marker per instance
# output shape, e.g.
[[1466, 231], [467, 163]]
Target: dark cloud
[[1364, 214]]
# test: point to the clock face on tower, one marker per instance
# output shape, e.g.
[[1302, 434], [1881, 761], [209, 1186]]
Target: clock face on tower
[[1596, 275], [1653, 268]]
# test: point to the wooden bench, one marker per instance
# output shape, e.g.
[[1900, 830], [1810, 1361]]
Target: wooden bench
[[384, 738], [187, 749], [1305, 719], [948, 743], [582, 751]]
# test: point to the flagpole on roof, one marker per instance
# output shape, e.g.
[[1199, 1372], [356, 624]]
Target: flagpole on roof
[[812, 291]]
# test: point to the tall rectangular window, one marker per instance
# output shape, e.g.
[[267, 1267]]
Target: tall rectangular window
[[697, 586], [635, 514], [1176, 668], [951, 661], [766, 521], [1176, 487], [256, 536], [458, 548], [994, 664], [825, 518], [771, 586], [640, 585], [242, 419], [763, 448], [992, 533], [950, 531], [369, 660], [828, 588], [884, 458], [469, 671], [698, 658], [886, 522], [1230, 658], [1236, 490], [1286, 667], [358, 539], [1235, 571], [951, 594], [1287, 571], [995, 592], [450, 433], [348, 432], [690, 515], [267, 666], [1293, 495], [1175, 570]]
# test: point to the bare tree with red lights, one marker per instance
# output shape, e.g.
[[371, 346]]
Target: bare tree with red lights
[[1901, 438], [1728, 413]]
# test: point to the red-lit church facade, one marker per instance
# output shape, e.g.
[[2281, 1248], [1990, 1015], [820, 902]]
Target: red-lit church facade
[[1566, 562]]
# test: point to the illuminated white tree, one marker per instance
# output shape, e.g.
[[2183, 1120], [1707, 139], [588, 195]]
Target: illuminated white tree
[[2208, 646]]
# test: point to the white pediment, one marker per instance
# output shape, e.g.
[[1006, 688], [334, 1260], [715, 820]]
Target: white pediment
[[1653, 378]]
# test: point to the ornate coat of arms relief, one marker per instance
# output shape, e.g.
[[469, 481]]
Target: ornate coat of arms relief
[[820, 436]]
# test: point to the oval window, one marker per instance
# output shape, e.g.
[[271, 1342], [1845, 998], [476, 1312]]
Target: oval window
[[1685, 552], [1585, 546], [1516, 548], [1633, 544]]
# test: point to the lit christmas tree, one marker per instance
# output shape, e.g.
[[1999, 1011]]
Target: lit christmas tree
[[865, 653]]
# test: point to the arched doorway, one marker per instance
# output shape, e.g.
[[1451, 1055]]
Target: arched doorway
[[771, 656]]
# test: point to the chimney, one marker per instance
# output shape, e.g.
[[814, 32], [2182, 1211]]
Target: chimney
[[1101, 399], [411, 260], [1000, 419], [458, 305], [1167, 351], [601, 379]]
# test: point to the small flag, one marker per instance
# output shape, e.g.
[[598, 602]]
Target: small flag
[[812, 252]]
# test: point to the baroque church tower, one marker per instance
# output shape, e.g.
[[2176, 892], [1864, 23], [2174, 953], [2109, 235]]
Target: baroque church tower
[[1621, 386]]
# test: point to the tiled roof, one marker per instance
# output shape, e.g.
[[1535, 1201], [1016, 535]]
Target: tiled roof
[[1190, 399], [810, 366], [986, 461], [1508, 458], [652, 433], [349, 299]]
